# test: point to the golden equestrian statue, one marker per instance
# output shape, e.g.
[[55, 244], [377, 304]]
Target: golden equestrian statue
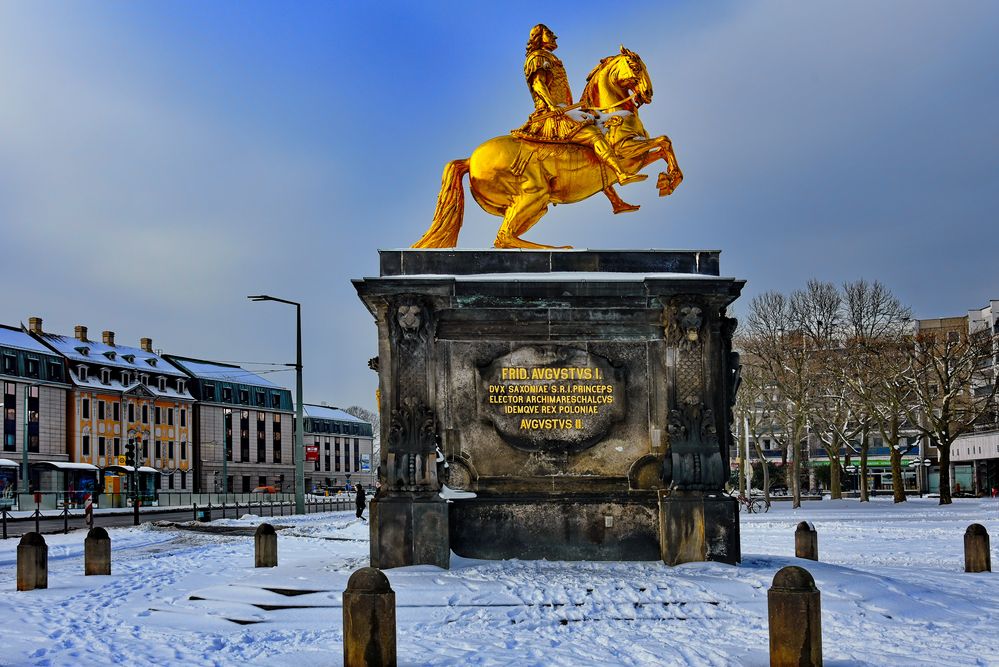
[[564, 153]]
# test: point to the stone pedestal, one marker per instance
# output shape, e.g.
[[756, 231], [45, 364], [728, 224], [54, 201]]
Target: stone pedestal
[[369, 633], [32, 562], [97, 552], [695, 527], [265, 547], [564, 389]]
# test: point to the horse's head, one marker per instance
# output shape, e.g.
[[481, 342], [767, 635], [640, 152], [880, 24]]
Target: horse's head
[[633, 76], [614, 78]]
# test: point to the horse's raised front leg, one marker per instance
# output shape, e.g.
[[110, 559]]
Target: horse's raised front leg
[[520, 216], [671, 178]]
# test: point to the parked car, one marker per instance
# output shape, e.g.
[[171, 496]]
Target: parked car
[[265, 489]]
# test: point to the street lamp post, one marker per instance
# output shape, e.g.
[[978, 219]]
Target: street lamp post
[[299, 421], [916, 465]]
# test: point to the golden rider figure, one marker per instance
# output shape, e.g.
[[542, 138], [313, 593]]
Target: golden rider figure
[[549, 86]]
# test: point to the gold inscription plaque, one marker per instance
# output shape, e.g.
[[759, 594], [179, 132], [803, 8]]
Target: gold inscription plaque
[[551, 397]]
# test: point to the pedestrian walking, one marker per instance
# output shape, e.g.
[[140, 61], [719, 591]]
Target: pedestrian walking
[[359, 500]]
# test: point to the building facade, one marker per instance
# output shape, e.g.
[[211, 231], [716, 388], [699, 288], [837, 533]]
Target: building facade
[[34, 392], [343, 446], [243, 428], [119, 395]]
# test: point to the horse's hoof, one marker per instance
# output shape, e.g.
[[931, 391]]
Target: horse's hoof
[[626, 208]]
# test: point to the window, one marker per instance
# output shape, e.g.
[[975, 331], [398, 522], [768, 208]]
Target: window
[[33, 420], [183, 480], [227, 394], [170, 417], [161, 384], [244, 435], [145, 449], [145, 413], [100, 409], [55, 370], [86, 445], [261, 437], [158, 450], [85, 408], [81, 372], [105, 376], [261, 399], [170, 481], [101, 446], [170, 449], [183, 416], [262, 481], [180, 386], [117, 446], [208, 391], [227, 420], [246, 483], [326, 458], [9, 416], [126, 378], [244, 396], [31, 367], [275, 400], [156, 415], [357, 453], [131, 411], [336, 457], [276, 438], [9, 364], [183, 450], [116, 411], [346, 454]]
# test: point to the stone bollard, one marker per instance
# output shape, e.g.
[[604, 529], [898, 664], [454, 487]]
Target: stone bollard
[[806, 541], [97, 552], [795, 619], [32, 562], [977, 557], [368, 620], [265, 546]]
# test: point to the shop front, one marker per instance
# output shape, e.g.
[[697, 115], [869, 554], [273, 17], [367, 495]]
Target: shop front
[[118, 485], [62, 483], [8, 483]]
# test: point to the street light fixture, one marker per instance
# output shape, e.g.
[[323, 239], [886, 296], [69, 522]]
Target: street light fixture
[[299, 421], [916, 464]]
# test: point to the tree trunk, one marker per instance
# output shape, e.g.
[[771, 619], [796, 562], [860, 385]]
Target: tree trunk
[[897, 487], [795, 486], [742, 469], [944, 450], [766, 470], [835, 483], [864, 444]]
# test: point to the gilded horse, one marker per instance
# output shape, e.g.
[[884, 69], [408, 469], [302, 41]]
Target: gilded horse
[[517, 179]]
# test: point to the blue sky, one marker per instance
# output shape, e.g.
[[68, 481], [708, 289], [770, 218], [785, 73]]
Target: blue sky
[[160, 161]]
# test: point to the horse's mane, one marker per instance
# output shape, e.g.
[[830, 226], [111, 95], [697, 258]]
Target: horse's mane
[[586, 98]]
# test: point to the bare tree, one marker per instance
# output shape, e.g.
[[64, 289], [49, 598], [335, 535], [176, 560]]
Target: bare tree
[[773, 337], [754, 408], [951, 389], [876, 323]]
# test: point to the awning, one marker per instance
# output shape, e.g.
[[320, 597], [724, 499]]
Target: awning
[[7, 463], [131, 469], [64, 465]]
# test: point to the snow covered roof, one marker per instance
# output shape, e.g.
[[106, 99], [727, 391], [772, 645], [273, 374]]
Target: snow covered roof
[[324, 412], [7, 463], [170, 391], [112, 356], [64, 465], [11, 337], [212, 370]]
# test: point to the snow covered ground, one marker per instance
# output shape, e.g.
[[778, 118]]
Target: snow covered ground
[[892, 582]]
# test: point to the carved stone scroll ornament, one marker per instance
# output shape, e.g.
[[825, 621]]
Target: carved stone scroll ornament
[[412, 453], [695, 461]]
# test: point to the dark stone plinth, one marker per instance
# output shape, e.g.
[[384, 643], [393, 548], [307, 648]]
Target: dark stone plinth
[[977, 554], [564, 389], [32, 562], [695, 527], [806, 541], [97, 552], [409, 531], [463, 262], [369, 634], [265, 549], [795, 619], [607, 527]]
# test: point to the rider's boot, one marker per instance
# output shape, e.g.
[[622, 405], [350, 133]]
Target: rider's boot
[[618, 204]]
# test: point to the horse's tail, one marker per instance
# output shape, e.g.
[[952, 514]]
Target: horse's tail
[[443, 232]]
